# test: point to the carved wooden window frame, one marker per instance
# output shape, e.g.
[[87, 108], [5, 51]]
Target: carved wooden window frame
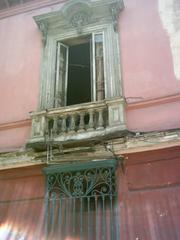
[[62, 25]]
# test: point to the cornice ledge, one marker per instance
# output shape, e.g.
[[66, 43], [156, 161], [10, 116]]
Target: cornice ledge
[[140, 142], [15, 124], [131, 143], [151, 102], [21, 158]]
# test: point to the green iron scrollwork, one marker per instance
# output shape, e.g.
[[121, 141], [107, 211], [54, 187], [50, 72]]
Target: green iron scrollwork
[[90, 179]]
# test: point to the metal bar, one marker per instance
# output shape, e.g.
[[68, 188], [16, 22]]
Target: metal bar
[[52, 214], [60, 216], [97, 222], [46, 217], [103, 219], [81, 218], [65, 218], [74, 216], [82, 207], [111, 217], [117, 218], [88, 208]]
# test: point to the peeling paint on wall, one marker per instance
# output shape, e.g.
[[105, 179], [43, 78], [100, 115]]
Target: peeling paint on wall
[[170, 15]]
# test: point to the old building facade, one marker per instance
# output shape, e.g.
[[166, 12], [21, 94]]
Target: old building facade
[[89, 123]]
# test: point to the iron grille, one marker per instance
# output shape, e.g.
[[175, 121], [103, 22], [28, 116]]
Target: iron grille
[[81, 201]]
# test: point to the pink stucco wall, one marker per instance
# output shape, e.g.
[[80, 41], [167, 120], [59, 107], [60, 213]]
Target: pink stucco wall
[[147, 67], [20, 50], [147, 71], [20, 61]]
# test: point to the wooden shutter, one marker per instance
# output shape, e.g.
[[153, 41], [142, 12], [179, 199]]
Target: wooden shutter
[[98, 66], [61, 75]]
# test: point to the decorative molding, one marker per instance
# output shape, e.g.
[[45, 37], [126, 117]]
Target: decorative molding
[[77, 18], [77, 13], [115, 9], [141, 142], [132, 143], [44, 29], [152, 102], [60, 125], [20, 158], [16, 124]]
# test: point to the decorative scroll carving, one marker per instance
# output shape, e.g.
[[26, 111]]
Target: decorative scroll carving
[[91, 182], [79, 20], [115, 9], [77, 13], [44, 29]]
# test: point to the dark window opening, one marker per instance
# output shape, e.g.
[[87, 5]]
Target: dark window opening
[[79, 71], [79, 74]]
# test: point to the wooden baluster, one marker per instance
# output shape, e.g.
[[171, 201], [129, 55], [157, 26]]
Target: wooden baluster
[[81, 123], [72, 123], [91, 120], [100, 119], [63, 124]]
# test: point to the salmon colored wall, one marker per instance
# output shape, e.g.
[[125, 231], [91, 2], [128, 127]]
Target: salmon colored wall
[[22, 203], [14, 138], [149, 195], [148, 198], [147, 67], [147, 71], [20, 50], [20, 61]]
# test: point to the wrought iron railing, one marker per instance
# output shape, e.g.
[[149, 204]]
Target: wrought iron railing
[[81, 201]]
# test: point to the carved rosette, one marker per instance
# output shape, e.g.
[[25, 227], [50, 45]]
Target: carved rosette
[[77, 13], [79, 20]]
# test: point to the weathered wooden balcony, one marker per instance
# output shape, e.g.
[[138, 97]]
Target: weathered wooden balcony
[[78, 123]]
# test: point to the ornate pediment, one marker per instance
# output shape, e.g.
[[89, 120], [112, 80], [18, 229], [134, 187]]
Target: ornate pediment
[[77, 14]]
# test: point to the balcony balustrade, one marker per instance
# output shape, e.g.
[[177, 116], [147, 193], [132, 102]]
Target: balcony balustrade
[[78, 123]]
